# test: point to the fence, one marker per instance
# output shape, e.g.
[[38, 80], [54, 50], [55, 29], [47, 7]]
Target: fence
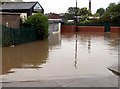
[[12, 36]]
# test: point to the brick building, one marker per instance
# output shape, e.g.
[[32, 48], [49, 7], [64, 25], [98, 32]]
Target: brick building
[[53, 16]]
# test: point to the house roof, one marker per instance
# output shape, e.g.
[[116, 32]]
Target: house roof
[[17, 5], [8, 13], [53, 16]]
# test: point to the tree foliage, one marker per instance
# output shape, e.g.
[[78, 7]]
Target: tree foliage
[[40, 23], [83, 12], [112, 13], [73, 11], [100, 11]]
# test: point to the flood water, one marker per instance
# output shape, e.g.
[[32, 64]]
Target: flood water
[[62, 56]]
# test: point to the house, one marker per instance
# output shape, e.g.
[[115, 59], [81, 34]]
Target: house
[[11, 20], [54, 22], [53, 16], [11, 12], [54, 25], [21, 7]]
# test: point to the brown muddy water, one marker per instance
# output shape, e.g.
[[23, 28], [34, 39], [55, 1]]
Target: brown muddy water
[[66, 55]]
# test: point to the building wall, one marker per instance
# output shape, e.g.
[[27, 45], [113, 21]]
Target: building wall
[[53, 16], [54, 27], [10, 20]]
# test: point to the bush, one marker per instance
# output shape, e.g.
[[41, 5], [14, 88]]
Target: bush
[[40, 23]]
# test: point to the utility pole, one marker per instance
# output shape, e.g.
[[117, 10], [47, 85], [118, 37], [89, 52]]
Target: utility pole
[[76, 3], [76, 29]]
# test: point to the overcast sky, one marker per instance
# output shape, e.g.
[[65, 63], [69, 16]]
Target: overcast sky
[[61, 6]]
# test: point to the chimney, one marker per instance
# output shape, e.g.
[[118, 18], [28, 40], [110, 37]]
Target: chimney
[[90, 5]]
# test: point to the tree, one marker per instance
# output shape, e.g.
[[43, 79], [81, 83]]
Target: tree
[[111, 7], [100, 11], [66, 17], [96, 15], [113, 12], [40, 22], [73, 10], [84, 13]]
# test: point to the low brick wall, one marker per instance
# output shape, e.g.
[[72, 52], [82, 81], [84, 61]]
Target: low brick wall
[[67, 28], [115, 29], [87, 28], [91, 28]]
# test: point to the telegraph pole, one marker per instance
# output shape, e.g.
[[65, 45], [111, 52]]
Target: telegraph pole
[[76, 3], [76, 29]]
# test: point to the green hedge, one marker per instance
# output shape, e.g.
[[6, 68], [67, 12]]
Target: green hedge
[[40, 22], [12, 36]]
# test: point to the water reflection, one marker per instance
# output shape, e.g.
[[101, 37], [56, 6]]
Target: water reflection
[[76, 47], [0, 60], [29, 55], [89, 44], [106, 36], [55, 40], [113, 40], [55, 57]]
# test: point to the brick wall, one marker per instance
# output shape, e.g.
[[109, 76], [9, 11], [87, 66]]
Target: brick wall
[[87, 29]]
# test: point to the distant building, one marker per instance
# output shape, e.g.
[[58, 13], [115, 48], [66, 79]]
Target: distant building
[[21, 7], [94, 17], [53, 16], [54, 23], [12, 11]]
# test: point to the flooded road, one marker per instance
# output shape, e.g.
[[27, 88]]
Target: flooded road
[[62, 56]]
